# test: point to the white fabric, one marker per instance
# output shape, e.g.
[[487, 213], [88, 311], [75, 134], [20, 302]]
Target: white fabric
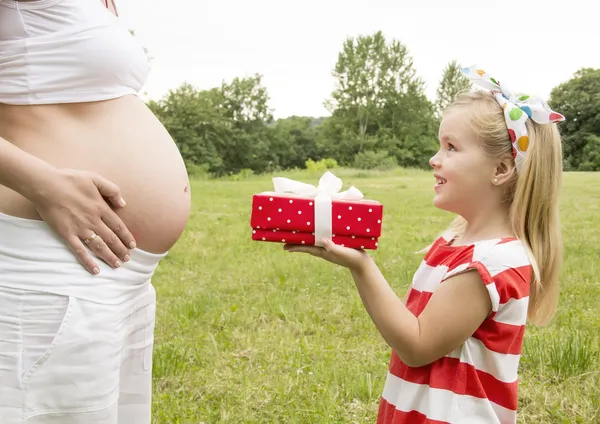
[[74, 348], [63, 51]]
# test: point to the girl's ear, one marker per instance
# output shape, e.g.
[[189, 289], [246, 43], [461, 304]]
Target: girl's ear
[[504, 171]]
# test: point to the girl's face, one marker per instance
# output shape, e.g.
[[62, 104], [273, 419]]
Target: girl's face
[[463, 171]]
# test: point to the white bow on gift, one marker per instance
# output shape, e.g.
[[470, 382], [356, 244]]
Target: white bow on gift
[[328, 189]]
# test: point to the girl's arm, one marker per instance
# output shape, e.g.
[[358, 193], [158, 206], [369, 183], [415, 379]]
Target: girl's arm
[[455, 311]]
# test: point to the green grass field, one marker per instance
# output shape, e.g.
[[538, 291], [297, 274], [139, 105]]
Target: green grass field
[[248, 333]]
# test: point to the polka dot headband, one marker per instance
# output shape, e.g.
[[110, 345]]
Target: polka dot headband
[[517, 109]]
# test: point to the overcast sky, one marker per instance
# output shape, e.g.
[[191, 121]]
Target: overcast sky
[[530, 45]]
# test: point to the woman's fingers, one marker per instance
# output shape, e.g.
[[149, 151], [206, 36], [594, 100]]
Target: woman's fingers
[[82, 254], [108, 189], [120, 236], [106, 245]]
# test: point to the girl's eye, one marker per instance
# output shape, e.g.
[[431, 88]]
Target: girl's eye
[[451, 147]]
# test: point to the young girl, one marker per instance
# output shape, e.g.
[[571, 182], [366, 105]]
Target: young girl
[[456, 339]]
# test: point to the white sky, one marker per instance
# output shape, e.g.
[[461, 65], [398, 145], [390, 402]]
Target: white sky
[[530, 45]]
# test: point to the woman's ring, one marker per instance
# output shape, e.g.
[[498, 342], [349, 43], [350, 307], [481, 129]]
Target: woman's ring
[[90, 239]]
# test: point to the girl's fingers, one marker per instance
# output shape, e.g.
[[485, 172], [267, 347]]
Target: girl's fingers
[[313, 250]]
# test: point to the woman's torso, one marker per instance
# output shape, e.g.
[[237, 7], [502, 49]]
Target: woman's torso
[[82, 112]]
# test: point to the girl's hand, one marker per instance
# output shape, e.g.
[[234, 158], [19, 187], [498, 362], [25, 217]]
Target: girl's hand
[[353, 259]]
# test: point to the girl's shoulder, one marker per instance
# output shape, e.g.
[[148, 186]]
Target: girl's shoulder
[[504, 265], [449, 251]]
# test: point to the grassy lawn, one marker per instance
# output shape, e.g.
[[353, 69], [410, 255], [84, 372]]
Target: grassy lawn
[[248, 333]]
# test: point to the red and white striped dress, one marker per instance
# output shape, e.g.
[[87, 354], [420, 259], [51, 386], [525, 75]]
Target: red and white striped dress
[[477, 382]]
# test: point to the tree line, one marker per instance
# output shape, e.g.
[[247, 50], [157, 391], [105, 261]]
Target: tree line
[[379, 117]]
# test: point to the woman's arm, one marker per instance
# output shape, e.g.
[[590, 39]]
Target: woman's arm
[[71, 202]]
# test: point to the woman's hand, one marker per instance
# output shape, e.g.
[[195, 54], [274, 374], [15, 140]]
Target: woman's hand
[[353, 259], [73, 203]]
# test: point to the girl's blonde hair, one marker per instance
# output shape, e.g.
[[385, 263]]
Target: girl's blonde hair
[[532, 195]]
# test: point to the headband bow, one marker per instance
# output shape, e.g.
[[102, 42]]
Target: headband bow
[[517, 109]]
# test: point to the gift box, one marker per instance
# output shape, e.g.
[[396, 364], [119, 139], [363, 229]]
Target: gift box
[[299, 213]]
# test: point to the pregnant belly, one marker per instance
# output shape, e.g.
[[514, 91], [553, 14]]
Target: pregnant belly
[[122, 141]]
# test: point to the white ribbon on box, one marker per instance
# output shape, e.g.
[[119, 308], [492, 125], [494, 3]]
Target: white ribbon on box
[[328, 189]]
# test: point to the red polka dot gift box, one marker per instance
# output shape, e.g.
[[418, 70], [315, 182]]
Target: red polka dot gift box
[[300, 213]]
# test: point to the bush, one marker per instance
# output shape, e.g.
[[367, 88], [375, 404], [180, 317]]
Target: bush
[[242, 175], [374, 160], [198, 171], [322, 165]]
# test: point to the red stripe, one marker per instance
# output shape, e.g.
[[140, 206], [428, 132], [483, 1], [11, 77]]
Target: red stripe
[[440, 254], [417, 300], [388, 414], [458, 377], [501, 338], [507, 240], [484, 274], [514, 283]]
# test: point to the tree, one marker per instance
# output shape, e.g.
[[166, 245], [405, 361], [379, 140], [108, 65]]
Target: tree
[[294, 141], [378, 102], [578, 99], [193, 120], [226, 129], [591, 154], [246, 101], [452, 83]]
